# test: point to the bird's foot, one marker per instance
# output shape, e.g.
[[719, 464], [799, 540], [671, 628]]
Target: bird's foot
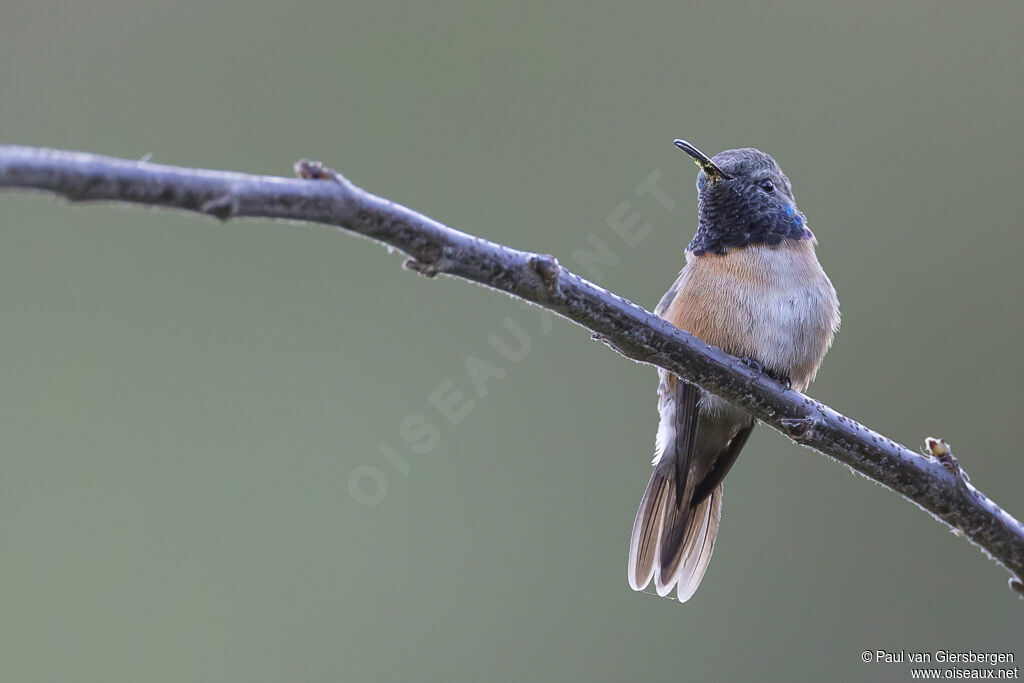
[[753, 364], [756, 366]]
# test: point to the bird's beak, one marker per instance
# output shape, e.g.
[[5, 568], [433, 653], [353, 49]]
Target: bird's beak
[[703, 161]]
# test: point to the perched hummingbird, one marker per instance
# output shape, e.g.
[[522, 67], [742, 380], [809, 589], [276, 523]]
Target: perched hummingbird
[[753, 287]]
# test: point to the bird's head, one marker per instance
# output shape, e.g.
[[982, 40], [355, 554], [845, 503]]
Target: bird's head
[[744, 198]]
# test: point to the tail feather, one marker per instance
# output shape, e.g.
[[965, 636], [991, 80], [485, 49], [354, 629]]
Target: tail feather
[[676, 539], [671, 543], [699, 554], [643, 546]]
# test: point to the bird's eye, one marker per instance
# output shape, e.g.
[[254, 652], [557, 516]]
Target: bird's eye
[[767, 186]]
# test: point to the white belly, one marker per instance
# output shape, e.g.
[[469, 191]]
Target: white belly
[[774, 304]]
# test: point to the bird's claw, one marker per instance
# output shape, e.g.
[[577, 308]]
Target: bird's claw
[[756, 366], [753, 364]]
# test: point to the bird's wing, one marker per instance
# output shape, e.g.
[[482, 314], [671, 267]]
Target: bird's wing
[[722, 465], [682, 417], [661, 519]]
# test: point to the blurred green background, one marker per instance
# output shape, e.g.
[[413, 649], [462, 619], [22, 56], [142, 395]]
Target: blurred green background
[[184, 403]]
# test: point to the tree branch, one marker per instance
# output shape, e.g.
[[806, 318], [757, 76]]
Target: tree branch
[[934, 480]]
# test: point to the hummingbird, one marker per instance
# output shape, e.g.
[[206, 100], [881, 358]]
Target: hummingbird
[[753, 287]]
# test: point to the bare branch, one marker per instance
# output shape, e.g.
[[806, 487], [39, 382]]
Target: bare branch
[[934, 480]]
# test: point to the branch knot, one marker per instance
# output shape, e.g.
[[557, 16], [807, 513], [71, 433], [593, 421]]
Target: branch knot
[[547, 269], [315, 170], [424, 268], [222, 208], [940, 450], [798, 428]]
